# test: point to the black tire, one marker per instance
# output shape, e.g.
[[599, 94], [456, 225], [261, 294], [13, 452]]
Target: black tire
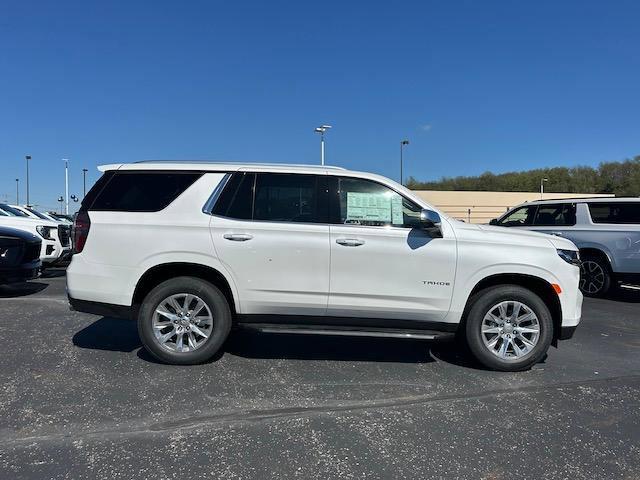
[[214, 300], [595, 272], [482, 303]]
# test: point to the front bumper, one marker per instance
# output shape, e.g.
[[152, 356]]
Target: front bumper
[[21, 273]]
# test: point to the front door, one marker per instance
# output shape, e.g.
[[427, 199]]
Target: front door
[[270, 232], [382, 264]]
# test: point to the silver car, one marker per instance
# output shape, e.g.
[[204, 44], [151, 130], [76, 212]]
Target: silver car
[[606, 230]]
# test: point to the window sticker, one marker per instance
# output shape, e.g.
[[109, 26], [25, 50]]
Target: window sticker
[[378, 208]]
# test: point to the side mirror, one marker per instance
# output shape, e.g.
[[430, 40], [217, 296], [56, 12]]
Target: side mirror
[[493, 221], [429, 219]]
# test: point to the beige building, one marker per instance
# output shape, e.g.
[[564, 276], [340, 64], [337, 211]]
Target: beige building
[[480, 207]]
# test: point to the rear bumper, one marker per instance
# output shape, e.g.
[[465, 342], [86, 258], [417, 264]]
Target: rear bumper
[[98, 308], [567, 332]]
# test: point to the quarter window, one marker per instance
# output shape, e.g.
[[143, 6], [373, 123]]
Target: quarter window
[[615, 212], [142, 191], [367, 203]]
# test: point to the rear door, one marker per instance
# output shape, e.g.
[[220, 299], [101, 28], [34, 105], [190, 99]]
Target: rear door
[[382, 264], [270, 231]]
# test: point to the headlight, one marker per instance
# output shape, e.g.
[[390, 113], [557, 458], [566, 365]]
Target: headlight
[[45, 232], [570, 256]]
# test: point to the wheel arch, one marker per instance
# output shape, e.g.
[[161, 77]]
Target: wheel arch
[[598, 252], [537, 285], [165, 271]]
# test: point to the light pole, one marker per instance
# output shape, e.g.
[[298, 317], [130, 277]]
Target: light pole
[[61, 200], [66, 185], [27, 158], [84, 182], [321, 129], [402, 144], [17, 191], [545, 179]]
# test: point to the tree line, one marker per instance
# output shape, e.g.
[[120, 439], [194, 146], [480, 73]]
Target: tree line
[[621, 178]]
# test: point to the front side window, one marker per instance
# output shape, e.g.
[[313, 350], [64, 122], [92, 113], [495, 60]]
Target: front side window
[[367, 203], [561, 214], [519, 217], [615, 212]]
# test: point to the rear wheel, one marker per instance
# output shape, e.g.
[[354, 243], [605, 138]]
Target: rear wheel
[[595, 276], [509, 328], [184, 321]]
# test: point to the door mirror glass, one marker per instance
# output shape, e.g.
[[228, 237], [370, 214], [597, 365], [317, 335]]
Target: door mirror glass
[[429, 218]]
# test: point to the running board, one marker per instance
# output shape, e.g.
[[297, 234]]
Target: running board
[[346, 331]]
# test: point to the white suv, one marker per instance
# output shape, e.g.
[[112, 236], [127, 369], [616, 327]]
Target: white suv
[[192, 249]]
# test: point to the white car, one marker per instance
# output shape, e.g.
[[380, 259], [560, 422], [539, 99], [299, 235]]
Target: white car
[[56, 244], [191, 249]]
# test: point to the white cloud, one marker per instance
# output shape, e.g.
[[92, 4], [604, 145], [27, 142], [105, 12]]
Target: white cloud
[[426, 127]]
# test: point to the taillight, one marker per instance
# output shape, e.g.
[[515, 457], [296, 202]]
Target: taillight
[[80, 231]]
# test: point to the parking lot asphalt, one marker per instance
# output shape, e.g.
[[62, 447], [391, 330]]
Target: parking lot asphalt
[[80, 398]]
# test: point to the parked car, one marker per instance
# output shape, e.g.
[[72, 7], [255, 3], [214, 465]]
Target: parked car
[[19, 256], [190, 249], [56, 241], [64, 225], [606, 230]]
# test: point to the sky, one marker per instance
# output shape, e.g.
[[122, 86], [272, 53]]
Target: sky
[[474, 86]]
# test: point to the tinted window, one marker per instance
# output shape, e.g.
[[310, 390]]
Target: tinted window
[[142, 191], [12, 211], [236, 200], [364, 202], [286, 198], [519, 217], [95, 190], [561, 214], [615, 212]]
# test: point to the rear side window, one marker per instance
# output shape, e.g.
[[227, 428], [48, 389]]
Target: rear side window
[[274, 197], [236, 200], [561, 214], [615, 212], [141, 191], [286, 198]]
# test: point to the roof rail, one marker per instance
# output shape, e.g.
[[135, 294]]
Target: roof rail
[[256, 164]]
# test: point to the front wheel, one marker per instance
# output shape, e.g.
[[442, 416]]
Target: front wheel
[[509, 328], [595, 277], [184, 321]]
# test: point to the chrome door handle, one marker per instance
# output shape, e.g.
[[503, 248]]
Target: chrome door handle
[[238, 237], [349, 242], [557, 234]]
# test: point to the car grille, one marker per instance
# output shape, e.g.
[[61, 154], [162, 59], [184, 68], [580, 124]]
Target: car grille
[[31, 252], [64, 234]]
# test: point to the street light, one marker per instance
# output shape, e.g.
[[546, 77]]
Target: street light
[[321, 129], [17, 191], [84, 182], [545, 179], [66, 185], [27, 158], [402, 144], [60, 199]]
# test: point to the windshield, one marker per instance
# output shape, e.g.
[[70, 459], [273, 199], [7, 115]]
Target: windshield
[[37, 214], [12, 211]]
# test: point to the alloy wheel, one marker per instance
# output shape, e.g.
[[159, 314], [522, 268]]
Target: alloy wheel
[[182, 322], [510, 330], [592, 277]]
